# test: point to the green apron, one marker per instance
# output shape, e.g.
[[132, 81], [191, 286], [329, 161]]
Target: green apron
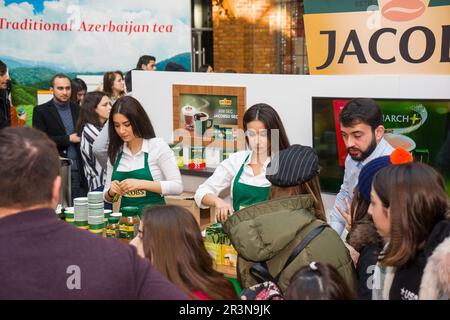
[[245, 195], [137, 198]]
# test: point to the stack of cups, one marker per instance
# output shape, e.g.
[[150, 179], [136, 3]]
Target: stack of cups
[[80, 206], [69, 215], [96, 212], [107, 213]]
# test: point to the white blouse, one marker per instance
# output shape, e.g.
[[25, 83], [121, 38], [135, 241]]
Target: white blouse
[[161, 161], [224, 175]]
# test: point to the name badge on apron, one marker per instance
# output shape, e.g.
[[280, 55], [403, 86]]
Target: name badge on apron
[[136, 194]]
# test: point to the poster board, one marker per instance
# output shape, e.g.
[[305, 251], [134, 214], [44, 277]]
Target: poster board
[[208, 114], [377, 36], [40, 39]]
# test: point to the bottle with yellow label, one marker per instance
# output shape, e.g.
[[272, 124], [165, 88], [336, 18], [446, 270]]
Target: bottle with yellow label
[[112, 228], [128, 223]]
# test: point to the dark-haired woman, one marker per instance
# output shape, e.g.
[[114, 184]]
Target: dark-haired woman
[[79, 90], [318, 281], [114, 85], [93, 114], [244, 172], [170, 238], [141, 168], [409, 208]]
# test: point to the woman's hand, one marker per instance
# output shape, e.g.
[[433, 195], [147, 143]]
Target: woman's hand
[[345, 215], [223, 210], [128, 185], [353, 253], [115, 188]]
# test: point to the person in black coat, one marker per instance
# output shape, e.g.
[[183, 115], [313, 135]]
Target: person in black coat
[[58, 118], [5, 105]]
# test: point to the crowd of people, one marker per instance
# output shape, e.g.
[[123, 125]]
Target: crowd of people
[[395, 211]]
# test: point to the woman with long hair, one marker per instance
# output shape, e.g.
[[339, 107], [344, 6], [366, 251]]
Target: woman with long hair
[[141, 168], [93, 114], [114, 85], [170, 238], [409, 207], [79, 90], [244, 171], [364, 242]]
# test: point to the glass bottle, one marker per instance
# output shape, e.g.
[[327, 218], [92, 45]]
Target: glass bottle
[[129, 223]]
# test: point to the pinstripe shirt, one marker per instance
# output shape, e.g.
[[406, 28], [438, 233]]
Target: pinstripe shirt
[[95, 174]]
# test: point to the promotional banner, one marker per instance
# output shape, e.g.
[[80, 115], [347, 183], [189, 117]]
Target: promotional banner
[[78, 37], [378, 37]]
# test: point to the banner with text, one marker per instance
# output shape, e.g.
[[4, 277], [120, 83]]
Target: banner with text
[[41, 38], [378, 36]]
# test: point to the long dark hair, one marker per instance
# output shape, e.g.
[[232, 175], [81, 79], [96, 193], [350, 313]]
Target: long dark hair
[[108, 82], [77, 86], [311, 187], [358, 207], [363, 231], [87, 111], [416, 198], [139, 120], [173, 243], [272, 121], [321, 281]]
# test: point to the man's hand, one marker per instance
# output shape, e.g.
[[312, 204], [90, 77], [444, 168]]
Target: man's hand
[[346, 215], [74, 138]]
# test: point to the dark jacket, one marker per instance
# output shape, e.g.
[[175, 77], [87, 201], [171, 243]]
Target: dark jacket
[[40, 256], [5, 109], [270, 230], [365, 239], [46, 118], [405, 282]]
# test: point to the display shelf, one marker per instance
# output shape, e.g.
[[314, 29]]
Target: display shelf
[[197, 172]]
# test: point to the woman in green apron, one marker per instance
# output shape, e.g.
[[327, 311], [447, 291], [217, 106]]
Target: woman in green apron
[[141, 168], [244, 172]]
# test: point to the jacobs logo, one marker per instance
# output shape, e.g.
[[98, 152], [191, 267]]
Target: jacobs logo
[[404, 46], [225, 102], [403, 10], [397, 35], [136, 194]]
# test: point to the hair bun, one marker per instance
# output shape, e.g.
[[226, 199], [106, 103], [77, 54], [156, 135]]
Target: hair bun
[[401, 156]]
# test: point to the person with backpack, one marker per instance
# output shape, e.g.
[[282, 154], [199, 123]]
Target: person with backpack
[[275, 238]]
